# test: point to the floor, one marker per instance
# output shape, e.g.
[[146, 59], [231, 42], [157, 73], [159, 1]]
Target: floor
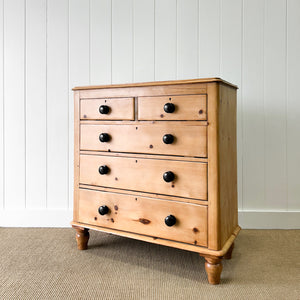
[[43, 263]]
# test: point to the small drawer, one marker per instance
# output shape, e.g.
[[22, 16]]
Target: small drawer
[[107, 109], [186, 222], [188, 107], [160, 138], [159, 176]]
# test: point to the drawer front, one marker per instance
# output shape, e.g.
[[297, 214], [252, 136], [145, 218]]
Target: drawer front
[[188, 107], [145, 216], [146, 175], [188, 140], [111, 109]]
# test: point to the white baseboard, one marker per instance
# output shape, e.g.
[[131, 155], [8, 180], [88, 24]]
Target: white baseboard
[[63, 217], [269, 219], [36, 217]]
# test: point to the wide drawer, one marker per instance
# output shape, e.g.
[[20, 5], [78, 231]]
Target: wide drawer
[[187, 107], [145, 174], [107, 109], [188, 140], [145, 216]]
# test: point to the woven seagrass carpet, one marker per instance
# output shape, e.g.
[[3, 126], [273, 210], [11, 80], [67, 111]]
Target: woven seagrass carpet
[[43, 263]]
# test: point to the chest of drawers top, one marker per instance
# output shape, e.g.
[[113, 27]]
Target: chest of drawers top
[[156, 161]]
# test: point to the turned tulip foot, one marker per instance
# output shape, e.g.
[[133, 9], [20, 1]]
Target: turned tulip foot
[[213, 268], [228, 255], [82, 238]]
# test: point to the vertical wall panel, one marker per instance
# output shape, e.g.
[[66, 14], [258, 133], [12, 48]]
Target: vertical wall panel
[[49, 46], [57, 104], [1, 107], [209, 38], [231, 69], [187, 39], [165, 40], [79, 42], [275, 104], [100, 42], [36, 134], [253, 105], [143, 48], [231, 41], [79, 66], [293, 104], [14, 103], [122, 41]]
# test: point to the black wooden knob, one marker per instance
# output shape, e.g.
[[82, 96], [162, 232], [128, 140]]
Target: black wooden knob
[[104, 137], [169, 108], [104, 109], [168, 138], [168, 176], [170, 220], [103, 210], [103, 170]]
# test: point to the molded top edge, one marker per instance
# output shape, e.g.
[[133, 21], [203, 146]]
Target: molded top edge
[[155, 83]]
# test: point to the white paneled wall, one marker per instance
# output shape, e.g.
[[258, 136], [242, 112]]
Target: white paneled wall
[[49, 46]]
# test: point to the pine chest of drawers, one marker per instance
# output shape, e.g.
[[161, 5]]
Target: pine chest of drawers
[[157, 162]]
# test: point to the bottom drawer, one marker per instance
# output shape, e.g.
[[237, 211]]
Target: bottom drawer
[[144, 216]]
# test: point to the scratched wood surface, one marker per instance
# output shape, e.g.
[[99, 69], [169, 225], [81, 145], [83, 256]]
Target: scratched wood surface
[[145, 216]]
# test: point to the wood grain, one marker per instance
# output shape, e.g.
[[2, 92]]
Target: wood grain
[[82, 237], [213, 268], [136, 122], [198, 249], [228, 254], [146, 175], [145, 216], [76, 155], [202, 157], [139, 155], [227, 162], [222, 165], [119, 109], [146, 138], [187, 107], [155, 83], [213, 168], [139, 91], [143, 194]]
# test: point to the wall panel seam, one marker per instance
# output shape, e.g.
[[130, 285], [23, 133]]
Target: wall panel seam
[[25, 91], [264, 95], [89, 41], [154, 38], [176, 67], [198, 48], [132, 32], [111, 39], [286, 103], [46, 108], [70, 94], [3, 109], [220, 37], [241, 99]]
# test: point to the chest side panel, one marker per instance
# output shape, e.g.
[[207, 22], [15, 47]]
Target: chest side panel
[[227, 162]]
